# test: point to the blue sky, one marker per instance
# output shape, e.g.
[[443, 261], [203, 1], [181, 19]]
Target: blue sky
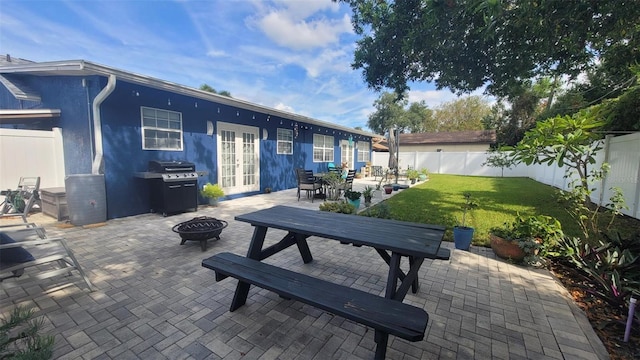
[[292, 55]]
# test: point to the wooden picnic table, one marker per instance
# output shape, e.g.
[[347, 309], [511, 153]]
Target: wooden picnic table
[[391, 239]]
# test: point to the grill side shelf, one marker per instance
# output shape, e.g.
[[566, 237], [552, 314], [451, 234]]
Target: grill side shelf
[[155, 175], [148, 175]]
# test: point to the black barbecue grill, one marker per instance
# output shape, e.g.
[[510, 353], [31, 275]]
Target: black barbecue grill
[[173, 186]]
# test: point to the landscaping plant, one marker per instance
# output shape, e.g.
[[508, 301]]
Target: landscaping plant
[[20, 337], [468, 204], [337, 207], [352, 195], [564, 140], [588, 216], [380, 211], [212, 191], [613, 266], [501, 158], [537, 235]]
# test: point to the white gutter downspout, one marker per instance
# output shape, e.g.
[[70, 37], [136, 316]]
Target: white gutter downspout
[[97, 124]]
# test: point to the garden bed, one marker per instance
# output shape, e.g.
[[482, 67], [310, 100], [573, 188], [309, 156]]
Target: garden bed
[[608, 322]]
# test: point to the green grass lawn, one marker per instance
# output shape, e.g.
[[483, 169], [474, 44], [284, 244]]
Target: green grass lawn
[[439, 201]]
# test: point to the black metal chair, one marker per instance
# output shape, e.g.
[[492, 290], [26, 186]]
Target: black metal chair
[[348, 182], [377, 171], [307, 182]]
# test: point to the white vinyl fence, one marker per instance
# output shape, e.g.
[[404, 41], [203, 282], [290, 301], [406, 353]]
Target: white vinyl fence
[[31, 153], [622, 153]]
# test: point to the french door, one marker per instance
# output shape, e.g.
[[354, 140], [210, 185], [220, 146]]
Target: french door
[[346, 153], [238, 158]]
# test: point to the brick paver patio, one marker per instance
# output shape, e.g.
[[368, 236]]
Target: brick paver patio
[[155, 300]]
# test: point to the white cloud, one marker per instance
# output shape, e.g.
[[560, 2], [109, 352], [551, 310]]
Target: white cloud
[[301, 9], [300, 34], [300, 25], [283, 107], [432, 98], [216, 53]]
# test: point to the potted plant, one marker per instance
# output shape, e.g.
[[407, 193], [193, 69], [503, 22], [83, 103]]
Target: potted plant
[[525, 238], [334, 181], [388, 188], [353, 197], [462, 234], [212, 192], [412, 174], [423, 174], [368, 194]]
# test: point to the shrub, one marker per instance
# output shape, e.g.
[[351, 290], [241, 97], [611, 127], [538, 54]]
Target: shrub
[[338, 207], [381, 211], [212, 191]]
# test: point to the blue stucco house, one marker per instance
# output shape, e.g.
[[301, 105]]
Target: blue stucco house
[[114, 122]]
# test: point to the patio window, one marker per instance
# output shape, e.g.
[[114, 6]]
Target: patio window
[[322, 148], [285, 141], [363, 151], [161, 129]]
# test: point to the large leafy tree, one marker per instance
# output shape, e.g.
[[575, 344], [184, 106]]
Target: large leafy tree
[[466, 44], [420, 118], [389, 114], [389, 119], [465, 113]]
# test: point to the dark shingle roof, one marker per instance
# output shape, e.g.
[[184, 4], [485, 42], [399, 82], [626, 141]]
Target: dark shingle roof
[[456, 137]]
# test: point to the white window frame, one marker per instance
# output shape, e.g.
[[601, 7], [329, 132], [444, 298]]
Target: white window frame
[[285, 137], [166, 123], [323, 145], [364, 155]]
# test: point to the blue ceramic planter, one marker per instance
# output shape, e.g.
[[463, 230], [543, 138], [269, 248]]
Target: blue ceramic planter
[[355, 203], [462, 237]]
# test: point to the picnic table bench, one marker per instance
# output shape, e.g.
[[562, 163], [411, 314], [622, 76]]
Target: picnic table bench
[[391, 239], [384, 315]]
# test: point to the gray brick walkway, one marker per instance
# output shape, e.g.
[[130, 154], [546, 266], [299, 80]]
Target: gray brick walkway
[[155, 300]]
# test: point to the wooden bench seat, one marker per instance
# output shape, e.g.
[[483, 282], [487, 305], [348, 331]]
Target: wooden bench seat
[[386, 316]]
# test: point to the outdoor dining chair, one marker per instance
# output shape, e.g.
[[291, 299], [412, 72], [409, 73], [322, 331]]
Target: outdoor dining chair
[[348, 181], [307, 182]]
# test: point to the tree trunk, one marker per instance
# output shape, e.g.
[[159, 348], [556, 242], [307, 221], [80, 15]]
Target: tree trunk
[[393, 164]]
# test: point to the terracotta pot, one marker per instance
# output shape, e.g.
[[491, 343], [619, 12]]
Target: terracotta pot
[[506, 249], [388, 189]]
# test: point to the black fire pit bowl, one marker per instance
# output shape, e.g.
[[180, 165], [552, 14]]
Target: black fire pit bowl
[[200, 229]]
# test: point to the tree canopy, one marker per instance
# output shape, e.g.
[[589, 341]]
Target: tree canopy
[[389, 114], [207, 87], [465, 113], [466, 44]]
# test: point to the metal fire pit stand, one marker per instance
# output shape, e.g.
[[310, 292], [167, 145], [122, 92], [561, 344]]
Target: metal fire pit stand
[[200, 229]]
